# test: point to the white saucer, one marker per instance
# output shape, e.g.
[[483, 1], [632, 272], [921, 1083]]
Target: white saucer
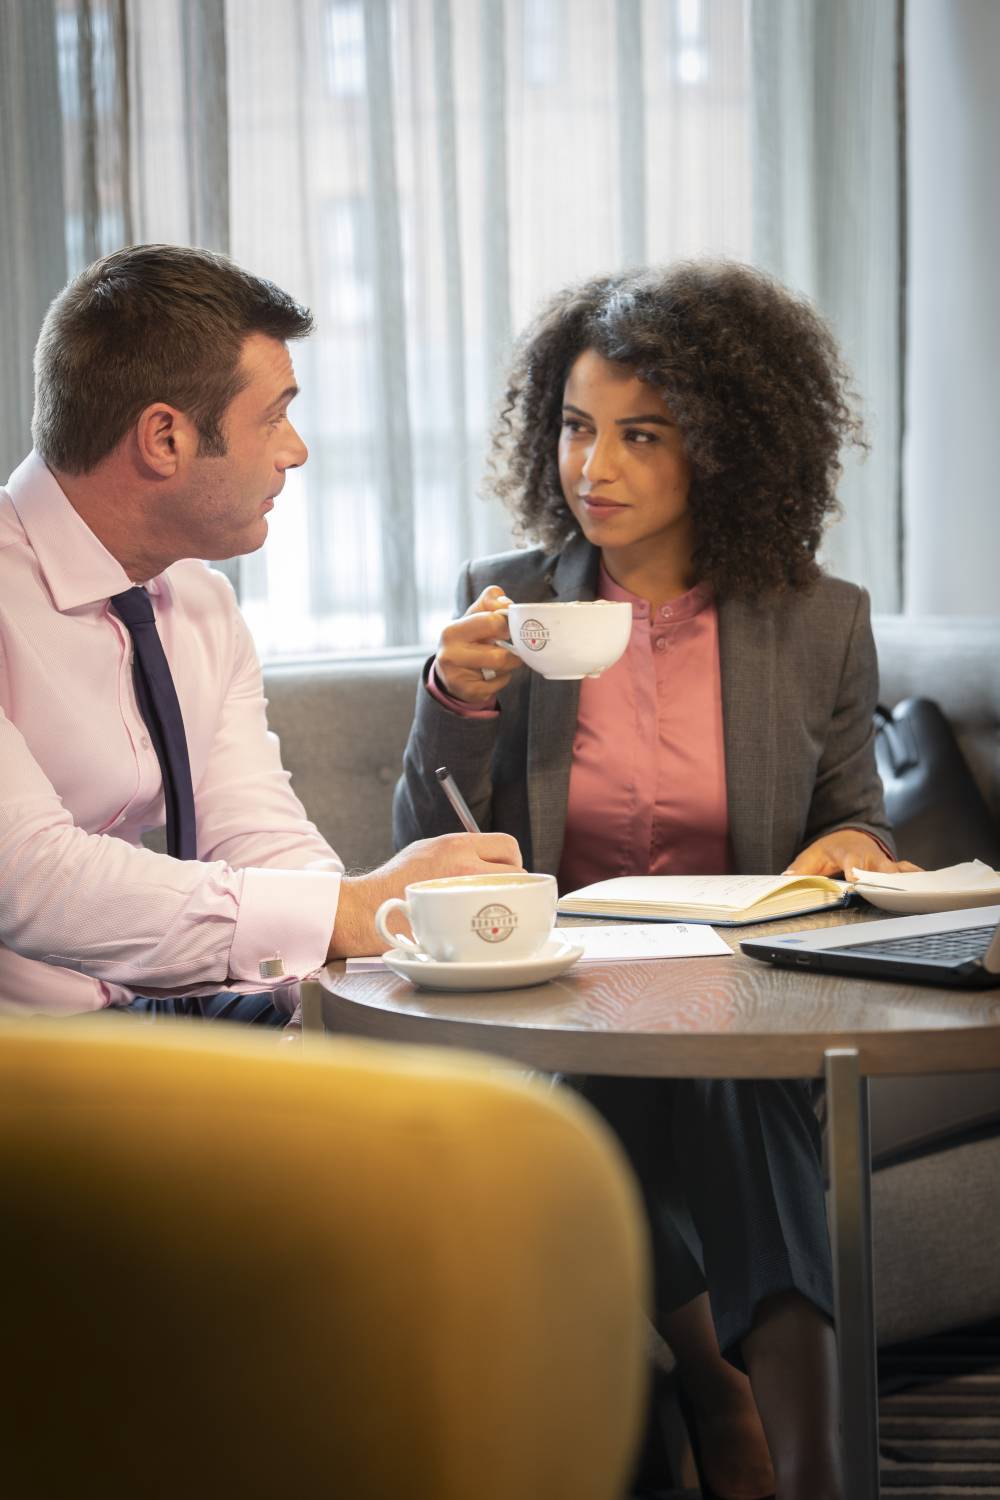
[[509, 974], [920, 903]]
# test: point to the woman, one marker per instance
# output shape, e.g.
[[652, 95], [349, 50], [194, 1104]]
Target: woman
[[671, 438]]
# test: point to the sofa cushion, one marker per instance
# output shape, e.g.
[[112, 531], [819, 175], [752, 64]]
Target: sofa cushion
[[342, 726], [935, 1229]]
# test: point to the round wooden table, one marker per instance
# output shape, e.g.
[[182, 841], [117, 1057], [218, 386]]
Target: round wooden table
[[721, 1017]]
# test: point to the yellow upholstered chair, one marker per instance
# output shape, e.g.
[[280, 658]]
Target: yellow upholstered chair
[[234, 1269]]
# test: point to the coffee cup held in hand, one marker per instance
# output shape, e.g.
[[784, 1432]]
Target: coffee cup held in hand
[[474, 918], [568, 641]]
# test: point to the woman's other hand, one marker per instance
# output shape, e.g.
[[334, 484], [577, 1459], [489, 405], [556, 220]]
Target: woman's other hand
[[845, 850], [466, 649]]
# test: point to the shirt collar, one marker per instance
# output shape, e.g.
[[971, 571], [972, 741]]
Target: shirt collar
[[77, 567], [683, 608]]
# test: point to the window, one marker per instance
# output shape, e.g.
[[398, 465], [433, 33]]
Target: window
[[423, 224], [344, 40], [689, 53]]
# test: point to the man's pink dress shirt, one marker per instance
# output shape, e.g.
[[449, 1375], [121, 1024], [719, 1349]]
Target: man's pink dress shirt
[[647, 786], [87, 916]]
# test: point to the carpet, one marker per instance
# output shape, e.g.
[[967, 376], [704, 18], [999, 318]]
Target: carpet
[[939, 1416]]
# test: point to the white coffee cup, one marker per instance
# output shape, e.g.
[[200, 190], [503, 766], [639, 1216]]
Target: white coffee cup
[[474, 918], [567, 641]]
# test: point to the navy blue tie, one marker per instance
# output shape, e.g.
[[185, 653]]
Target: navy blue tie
[[157, 699]]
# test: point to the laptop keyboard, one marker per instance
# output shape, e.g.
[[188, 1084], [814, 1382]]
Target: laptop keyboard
[[939, 947]]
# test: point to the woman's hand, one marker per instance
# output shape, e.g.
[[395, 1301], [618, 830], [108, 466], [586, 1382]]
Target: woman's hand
[[845, 850], [466, 649]]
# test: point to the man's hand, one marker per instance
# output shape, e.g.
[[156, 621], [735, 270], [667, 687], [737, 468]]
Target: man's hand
[[845, 850], [466, 647], [427, 859]]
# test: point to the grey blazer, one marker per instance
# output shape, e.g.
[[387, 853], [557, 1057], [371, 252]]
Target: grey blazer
[[799, 685]]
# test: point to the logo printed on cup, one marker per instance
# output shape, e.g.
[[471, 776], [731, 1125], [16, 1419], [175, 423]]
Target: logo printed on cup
[[494, 923], [534, 635]]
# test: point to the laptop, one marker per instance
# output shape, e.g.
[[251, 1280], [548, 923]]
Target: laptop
[[960, 949]]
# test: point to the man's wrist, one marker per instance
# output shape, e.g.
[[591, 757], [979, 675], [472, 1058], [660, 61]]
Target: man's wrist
[[354, 925]]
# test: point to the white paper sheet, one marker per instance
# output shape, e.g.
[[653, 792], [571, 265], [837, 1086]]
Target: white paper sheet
[[624, 942], [973, 875]]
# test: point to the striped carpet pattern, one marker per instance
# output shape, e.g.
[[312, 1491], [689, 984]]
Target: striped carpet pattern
[[939, 1416]]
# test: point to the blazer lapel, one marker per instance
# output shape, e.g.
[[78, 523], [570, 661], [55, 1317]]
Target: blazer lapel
[[749, 719], [552, 710]]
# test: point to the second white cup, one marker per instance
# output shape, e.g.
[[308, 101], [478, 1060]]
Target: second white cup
[[474, 918]]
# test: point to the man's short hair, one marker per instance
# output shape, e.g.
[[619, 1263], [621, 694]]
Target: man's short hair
[[149, 323]]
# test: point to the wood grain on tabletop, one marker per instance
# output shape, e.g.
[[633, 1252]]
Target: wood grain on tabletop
[[723, 1017]]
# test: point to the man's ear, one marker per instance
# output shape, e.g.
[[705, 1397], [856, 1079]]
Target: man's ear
[[165, 439]]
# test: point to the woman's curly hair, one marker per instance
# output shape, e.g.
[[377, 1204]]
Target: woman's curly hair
[[755, 382]]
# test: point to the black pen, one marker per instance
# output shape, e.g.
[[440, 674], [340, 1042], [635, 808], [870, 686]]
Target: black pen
[[457, 801]]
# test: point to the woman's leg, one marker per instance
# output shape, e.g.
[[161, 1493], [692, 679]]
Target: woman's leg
[[791, 1354], [733, 1447], [748, 1154]]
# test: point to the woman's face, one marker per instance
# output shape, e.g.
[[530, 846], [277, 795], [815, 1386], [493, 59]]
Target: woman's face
[[623, 467]]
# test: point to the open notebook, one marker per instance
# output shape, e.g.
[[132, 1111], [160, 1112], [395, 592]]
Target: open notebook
[[725, 900]]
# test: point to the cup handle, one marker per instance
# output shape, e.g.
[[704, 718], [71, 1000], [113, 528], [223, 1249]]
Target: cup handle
[[504, 645], [394, 939]]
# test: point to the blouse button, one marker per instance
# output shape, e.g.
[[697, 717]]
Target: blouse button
[[661, 644]]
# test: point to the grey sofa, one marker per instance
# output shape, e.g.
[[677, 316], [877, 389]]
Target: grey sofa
[[342, 726]]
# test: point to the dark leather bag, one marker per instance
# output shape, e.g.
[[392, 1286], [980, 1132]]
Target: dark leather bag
[[937, 812]]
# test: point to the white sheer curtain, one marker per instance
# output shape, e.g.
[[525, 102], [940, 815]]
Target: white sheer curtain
[[827, 220], [32, 243], [422, 173]]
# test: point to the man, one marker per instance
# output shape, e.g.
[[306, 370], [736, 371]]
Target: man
[[130, 693]]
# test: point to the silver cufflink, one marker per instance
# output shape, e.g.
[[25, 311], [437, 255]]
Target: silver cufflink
[[271, 968]]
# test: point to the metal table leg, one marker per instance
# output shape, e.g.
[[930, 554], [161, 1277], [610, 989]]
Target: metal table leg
[[850, 1193]]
